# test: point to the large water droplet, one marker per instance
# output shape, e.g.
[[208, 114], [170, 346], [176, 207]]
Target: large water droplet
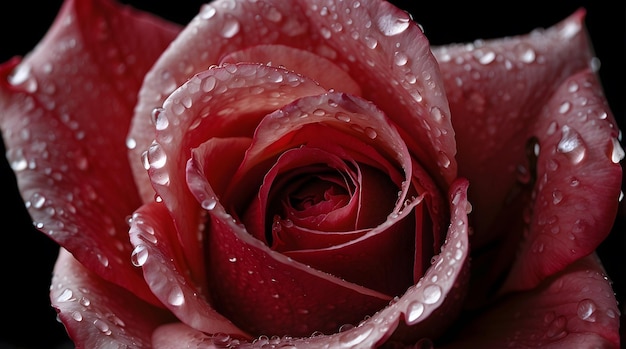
[[414, 311], [356, 335], [156, 156], [572, 145], [586, 310], [230, 28], [139, 256], [617, 152], [391, 25], [431, 294], [176, 296]]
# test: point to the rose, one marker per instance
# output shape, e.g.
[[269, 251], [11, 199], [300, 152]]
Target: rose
[[104, 313]]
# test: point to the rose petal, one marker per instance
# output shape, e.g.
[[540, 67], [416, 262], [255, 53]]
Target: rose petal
[[66, 108], [373, 35], [579, 178], [497, 119], [97, 313], [495, 89], [203, 108], [571, 309], [152, 233]]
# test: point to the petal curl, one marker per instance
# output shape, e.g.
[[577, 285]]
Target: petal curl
[[153, 234], [98, 314], [66, 108]]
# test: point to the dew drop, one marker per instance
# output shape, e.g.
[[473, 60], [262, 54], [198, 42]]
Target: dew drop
[[431, 294], [209, 203], [356, 335], [400, 58], [77, 316], [370, 133], [371, 42], [565, 107], [586, 310], [156, 156], [230, 28], [526, 53], [557, 196], [176, 296], [65, 296], [414, 311], [139, 256], [102, 326], [390, 25], [617, 152], [572, 145]]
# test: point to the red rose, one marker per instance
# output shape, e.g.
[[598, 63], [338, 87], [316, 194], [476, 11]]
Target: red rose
[[298, 174]]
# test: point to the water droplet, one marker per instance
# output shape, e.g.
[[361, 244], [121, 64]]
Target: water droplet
[[230, 28], [586, 310], [156, 156], [66, 295], [22, 76], [159, 119], [356, 335], [390, 25], [557, 196], [77, 316], [209, 203], [139, 256], [102, 326], [525, 53], [176, 296], [370, 132], [431, 294], [572, 145], [371, 42], [565, 107], [400, 58], [617, 152], [484, 57], [443, 159], [414, 311]]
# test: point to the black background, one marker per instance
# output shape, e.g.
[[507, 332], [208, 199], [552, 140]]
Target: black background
[[27, 256]]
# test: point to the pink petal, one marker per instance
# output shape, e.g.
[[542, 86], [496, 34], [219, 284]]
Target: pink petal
[[496, 89], [65, 112], [378, 46], [220, 102], [152, 233], [575, 308], [579, 178], [95, 312], [503, 93]]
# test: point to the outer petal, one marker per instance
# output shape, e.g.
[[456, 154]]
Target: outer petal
[[375, 42], [496, 89], [98, 314], [575, 308], [65, 112], [579, 179], [508, 91]]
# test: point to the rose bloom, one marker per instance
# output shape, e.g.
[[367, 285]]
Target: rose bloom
[[299, 175]]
